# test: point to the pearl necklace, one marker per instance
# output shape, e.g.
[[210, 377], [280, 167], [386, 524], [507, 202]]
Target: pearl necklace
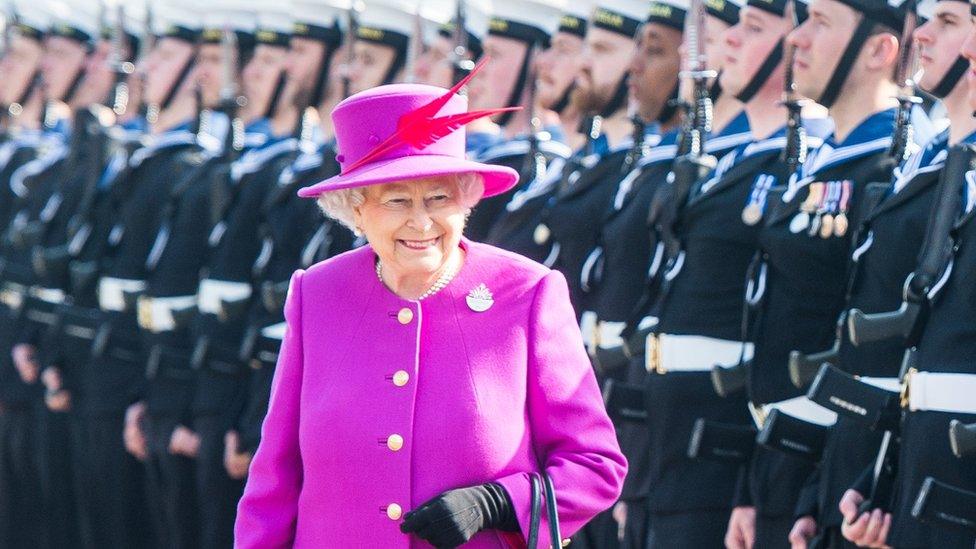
[[438, 285]]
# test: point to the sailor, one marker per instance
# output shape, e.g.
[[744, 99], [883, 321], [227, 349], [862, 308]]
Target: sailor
[[21, 519], [294, 234], [799, 279], [940, 388], [887, 250], [517, 33], [624, 258], [119, 231]]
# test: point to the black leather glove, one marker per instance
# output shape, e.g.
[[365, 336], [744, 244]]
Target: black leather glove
[[453, 517]]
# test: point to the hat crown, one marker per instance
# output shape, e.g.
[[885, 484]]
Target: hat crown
[[368, 118]]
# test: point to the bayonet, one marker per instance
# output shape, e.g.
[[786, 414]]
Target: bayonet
[[795, 152], [905, 76], [352, 28]]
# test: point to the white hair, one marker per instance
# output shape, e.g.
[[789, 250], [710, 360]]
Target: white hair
[[340, 204]]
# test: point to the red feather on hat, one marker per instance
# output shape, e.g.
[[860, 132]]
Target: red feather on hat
[[421, 127]]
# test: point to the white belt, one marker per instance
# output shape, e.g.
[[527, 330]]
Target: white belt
[[48, 295], [156, 314], [213, 293], [275, 331], [588, 323], [692, 353], [111, 292], [12, 296], [892, 384], [608, 334], [802, 408], [952, 393]]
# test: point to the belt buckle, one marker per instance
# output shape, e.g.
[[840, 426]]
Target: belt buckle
[[144, 312], [11, 299], [652, 354], [905, 386]]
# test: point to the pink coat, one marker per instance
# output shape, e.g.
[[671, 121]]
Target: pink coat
[[378, 400]]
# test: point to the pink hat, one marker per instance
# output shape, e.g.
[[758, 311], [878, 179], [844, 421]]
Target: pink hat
[[406, 131]]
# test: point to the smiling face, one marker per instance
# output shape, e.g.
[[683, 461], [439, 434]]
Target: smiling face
[[413, 226]]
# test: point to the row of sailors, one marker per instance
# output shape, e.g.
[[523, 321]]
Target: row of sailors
[[146, 279]]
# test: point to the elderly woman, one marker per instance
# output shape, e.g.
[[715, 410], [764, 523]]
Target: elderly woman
[[423, 378]]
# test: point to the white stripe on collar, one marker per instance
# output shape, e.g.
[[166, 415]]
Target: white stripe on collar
[[819, 162], [159, 143], [254, 159], [913, 168], [521, 146], [727, 141], [34, 167]]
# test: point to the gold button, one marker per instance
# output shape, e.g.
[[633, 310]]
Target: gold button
[[395, 442], [400, 378], [405, 316], [394, 511]]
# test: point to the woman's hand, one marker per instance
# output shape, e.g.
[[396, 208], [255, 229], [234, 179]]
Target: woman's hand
[[453, 517]]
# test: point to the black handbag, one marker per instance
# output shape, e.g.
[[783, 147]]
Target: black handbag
[[542, 484]]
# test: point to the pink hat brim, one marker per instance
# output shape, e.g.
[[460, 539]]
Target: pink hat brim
[[498, 179]]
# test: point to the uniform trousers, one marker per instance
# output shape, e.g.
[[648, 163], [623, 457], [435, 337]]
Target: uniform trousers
[[218, 492], [170, 489], [111, 488]]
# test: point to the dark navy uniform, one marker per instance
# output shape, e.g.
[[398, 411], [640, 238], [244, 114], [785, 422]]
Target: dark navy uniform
[[947, 345], [803, 273], [225, 294], [134, 208], [295, 235], [889, 241], [490, 214]]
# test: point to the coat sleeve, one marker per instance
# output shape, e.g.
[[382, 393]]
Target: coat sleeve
[[268, 510], [571, 433]]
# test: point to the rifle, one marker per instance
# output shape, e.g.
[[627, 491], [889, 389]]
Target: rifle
[[352, 27], [907, 321], [905, 77], [692, 163], [795, 152], [534, 166], [945, 505], [804, 367], [150, 112], [462, 65], [118, 100], [230, 98]]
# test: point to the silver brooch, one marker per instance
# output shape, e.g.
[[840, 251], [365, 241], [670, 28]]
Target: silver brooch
[[480, 299]]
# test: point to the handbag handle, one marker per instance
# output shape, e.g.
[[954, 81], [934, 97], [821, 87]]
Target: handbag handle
[[541, 483]]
